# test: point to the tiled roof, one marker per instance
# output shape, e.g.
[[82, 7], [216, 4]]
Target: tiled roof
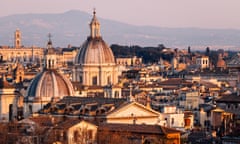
[[88, 100], [42, 120], [68, 123], [235, 61], [175, 81], [83, 105], [208, 84], [150, 129], [126, 104], [229, 99]]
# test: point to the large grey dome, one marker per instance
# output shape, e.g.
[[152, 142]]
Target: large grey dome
[[95, 51], [49, 84]]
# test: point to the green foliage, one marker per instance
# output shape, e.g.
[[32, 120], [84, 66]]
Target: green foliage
[[148, 54]]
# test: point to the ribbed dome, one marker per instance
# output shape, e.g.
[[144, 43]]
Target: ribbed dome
[[49, 84], [221, 63], [94, 51]]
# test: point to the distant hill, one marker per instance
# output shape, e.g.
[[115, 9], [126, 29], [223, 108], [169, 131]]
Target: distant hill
[[72, 27]]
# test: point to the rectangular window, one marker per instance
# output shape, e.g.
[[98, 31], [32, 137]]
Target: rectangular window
[[94, 80], [80, 79], [172, 121]]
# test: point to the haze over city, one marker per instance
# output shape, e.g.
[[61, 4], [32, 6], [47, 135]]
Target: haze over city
[[162, 13], [119, 72]]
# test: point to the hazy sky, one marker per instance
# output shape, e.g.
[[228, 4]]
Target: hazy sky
[[164, 13]]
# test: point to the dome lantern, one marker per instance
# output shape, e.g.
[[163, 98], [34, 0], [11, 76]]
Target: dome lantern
[[95, 26]]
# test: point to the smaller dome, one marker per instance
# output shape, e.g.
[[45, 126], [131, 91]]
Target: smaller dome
[[221, 63], [49, 85]]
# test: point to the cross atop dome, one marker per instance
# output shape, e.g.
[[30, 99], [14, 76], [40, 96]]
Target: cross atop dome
[[95, 26], [49, 44], [94, 11]]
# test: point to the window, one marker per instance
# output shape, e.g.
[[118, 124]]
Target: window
[[116, 95], [187, 122], [10, 112], [172, 121], [52, 64], [228, 106], [90, 134], [49, 63], [94, 80], [80, 79], [76, 135], [108, 80], [208, 113], [30, 109]]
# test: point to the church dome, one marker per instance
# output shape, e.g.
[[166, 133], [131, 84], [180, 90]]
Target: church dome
[[221, 63], [49, 85], [94, 50]]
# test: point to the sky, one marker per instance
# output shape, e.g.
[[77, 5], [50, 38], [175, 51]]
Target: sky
[[162, 13]]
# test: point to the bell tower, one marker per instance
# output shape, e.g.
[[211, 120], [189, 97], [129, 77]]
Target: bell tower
[[17, 39]]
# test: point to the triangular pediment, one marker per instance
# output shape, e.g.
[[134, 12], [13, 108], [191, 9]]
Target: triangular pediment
[[133, 109], [235, 61]]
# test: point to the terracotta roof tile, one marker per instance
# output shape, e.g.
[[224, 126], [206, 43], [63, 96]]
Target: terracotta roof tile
[[150, 129], [68, 123], [229, 98]]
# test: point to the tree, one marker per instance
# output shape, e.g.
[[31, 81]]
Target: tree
[[161, 46], [189, 50]]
